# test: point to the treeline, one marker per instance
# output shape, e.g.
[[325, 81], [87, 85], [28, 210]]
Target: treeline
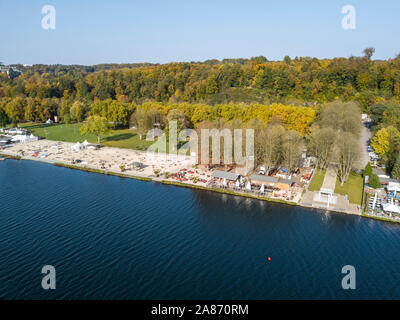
[[119, 112], [292, 117], [256, 80], [18, 110]]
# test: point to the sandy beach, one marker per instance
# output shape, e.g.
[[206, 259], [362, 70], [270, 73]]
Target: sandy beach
[[111, 159], [180, 168]]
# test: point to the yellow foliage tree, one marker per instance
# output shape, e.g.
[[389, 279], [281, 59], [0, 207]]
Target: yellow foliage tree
[[380, 142]]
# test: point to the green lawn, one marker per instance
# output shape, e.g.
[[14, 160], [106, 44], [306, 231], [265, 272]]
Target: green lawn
[[353, 187], [317, 181], [120, 138]]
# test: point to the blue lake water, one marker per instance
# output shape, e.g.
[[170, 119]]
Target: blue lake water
[[115, 238]]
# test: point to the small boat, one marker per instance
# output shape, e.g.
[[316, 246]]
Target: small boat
[[2, 159]]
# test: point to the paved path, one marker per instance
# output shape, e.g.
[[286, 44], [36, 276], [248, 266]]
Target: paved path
[[364, 156], [330, 178]]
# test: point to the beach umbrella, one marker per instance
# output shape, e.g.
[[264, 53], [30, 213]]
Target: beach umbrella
[[262, 188]]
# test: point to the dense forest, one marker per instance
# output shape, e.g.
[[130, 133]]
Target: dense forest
[[291, 81]]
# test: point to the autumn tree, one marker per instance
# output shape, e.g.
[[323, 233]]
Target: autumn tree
[[369, 52], [341, 116], [15, 110], [141, 121], [156, 117], [274, 138], [179, 117], [380, 142], [119, 112], [95, 125], [321, 143], [292, 148], [347, 152], [30, 110], [77, 111], [260, 136]]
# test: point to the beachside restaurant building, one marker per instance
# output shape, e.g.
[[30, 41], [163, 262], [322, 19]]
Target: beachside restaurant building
[[271, 182], [267, 181], [225, 177], [284, 184]]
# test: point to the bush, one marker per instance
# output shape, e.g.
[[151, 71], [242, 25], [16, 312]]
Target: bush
[[367, 170], [156, 172], [374, 181]]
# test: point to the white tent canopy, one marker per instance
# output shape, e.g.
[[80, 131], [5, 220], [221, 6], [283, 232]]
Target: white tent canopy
[[85, 143], [77, 146], [393, 187], [24, 138], [18, 137], [390, 207]]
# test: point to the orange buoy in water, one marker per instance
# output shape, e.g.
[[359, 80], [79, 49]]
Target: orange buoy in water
[[269, 258]]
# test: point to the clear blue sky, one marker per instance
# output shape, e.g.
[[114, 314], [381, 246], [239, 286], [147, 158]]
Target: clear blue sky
[[123, 31]]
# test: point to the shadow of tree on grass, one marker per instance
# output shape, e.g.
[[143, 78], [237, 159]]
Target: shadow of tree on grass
[[119, 137]]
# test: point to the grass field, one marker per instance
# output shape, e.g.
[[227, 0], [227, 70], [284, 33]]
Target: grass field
[[120, 138], [353, 187], [317, 181]]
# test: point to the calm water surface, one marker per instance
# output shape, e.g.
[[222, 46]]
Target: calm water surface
[[114, 238]]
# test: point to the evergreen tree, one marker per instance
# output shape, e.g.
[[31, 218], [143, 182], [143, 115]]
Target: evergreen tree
[[367, 170], [396, 169], [374, 181]]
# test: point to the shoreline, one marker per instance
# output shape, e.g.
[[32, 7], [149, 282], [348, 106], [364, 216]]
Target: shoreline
[[150, 178]]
